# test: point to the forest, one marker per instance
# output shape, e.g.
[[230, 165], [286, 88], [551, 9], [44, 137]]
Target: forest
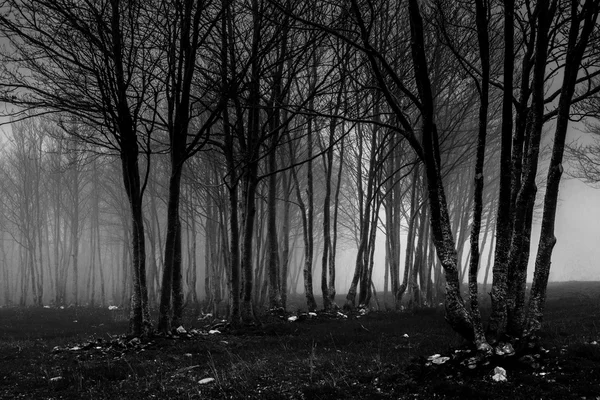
[[219, 156]]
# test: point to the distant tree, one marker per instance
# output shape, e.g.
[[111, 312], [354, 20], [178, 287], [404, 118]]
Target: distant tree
[[91, 62]]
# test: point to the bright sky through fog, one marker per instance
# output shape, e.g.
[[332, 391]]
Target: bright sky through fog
[[576, 255]]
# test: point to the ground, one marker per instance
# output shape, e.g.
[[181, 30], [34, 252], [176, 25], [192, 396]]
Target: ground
[[80, 353]]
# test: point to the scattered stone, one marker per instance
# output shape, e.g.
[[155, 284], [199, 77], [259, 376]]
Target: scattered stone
[[499, 375], [341, 315], [439, 360]]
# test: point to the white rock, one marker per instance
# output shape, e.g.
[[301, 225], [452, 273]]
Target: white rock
[[113, 308], [508, 349], [205, 381], [181, 330], [312, 314], [433, 357], [56, 379], [405, 335], [292, 318], [440, 360], [499, 374], [214, 331]]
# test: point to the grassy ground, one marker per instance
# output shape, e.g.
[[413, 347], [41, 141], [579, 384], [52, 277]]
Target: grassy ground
[[77, 353]]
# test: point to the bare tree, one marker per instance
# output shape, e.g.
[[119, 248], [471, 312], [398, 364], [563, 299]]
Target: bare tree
[[90, 62]]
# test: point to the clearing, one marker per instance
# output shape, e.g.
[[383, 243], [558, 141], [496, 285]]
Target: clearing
[[80, 353]]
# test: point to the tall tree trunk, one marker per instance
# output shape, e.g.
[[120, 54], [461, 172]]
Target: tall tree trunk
[[483, 40], [172, 275], [139, 320], [497, 321], [75, 232], [575, 51], [336, 203], [519, 254], [285, 253], [456, 313], [275, 301], [410, 241]]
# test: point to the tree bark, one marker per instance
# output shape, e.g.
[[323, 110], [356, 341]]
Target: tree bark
[[497, 321], [456, 313], [575, 51], [483, 40]]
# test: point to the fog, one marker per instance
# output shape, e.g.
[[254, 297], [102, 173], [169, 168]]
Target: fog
[[575, 256], [232, 154]]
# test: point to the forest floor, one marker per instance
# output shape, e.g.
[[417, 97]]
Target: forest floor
[[80, 353]]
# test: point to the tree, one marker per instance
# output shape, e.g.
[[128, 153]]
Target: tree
[[91, 63], [540, 48], [187, 23]]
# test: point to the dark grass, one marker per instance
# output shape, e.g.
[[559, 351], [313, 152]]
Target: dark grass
[[361, 357]]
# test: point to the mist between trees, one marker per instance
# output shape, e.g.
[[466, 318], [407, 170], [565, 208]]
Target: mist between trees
[[219, 153]]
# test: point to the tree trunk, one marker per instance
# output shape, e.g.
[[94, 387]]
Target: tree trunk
[[519, 253], [574, 56], [172, 275], [483, 40], [497, 321], [456, 313], [139, 320]]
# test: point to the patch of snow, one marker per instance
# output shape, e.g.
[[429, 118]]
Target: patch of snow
[[293, 318], [46, 306], [213, 331], [312, 314], [405, 336], [205, 381], [181, 330], [112, 308], [56, 379]]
